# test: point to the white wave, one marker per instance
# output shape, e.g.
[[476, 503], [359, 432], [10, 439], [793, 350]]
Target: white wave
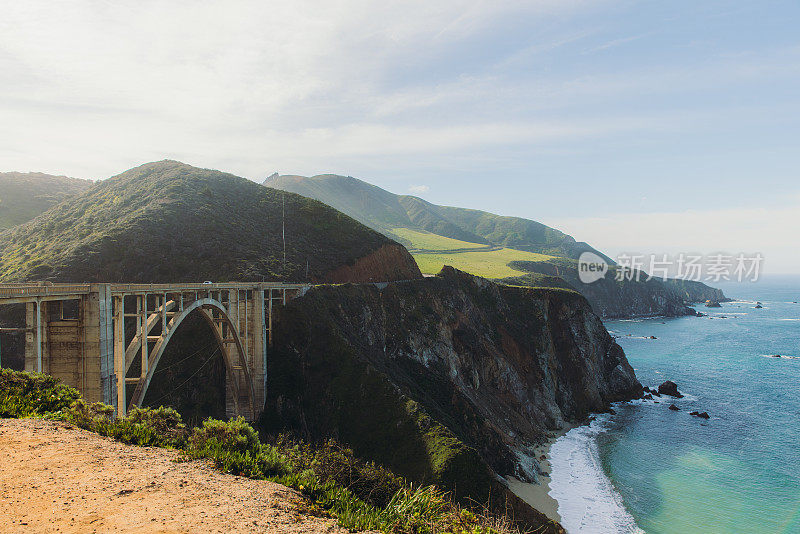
[[587, 501], [781, 357]]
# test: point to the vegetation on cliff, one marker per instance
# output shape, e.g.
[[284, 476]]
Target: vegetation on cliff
[[167, 221], [24, 196], [361, 495]]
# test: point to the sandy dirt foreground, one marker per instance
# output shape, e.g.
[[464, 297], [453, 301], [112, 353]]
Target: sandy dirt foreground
[[57, 478]]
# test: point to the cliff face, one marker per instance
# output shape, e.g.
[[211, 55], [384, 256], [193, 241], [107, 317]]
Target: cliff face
[[449, 380], [619, 299], [694, 292], [629, 298], [390, 262]]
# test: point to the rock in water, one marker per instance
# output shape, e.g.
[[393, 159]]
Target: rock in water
[[702, 415], [673, 408], [670, 388], [713, 304]]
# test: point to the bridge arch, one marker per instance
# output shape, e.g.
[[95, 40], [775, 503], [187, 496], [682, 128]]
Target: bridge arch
[[230, 343]]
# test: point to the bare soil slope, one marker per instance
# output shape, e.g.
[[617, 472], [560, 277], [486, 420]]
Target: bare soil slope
[[57, 478]]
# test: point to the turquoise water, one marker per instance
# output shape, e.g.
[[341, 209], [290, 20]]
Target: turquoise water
[[739, 472]]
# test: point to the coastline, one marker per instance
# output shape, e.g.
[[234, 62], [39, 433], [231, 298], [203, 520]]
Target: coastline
[[538, 495]]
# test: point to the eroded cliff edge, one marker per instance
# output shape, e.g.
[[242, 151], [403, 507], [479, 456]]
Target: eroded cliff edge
[[450, 380]]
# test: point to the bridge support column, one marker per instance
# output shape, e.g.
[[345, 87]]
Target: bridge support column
[[259, 351], [35, 343], [98, 350], [66, 348], [121, 401]]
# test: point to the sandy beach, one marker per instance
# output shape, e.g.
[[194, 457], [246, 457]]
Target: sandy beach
[[538, 495]]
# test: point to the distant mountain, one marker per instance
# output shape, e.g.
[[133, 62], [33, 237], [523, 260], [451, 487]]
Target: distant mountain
[[168, 221], [23, 196], [390, 213], [513, 250]]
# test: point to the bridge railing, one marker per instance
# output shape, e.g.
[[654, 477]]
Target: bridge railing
[[200, 287], [41, 290], [33, 290]]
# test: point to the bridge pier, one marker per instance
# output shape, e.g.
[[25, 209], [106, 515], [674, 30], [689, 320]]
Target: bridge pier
[[77, 350], [78, 334]]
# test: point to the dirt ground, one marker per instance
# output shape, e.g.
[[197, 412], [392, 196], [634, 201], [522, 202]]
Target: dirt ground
[[57, 478]]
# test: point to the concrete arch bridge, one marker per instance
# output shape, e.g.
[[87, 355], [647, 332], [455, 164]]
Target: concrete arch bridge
[[77, 332]]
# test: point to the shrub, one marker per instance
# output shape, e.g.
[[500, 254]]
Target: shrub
[[235, 448], [233, 436], [331, 461], [147, 427], [25, 394], [86, 416]]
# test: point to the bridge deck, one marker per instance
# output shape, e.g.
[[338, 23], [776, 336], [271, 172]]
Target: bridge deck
[[22, 293]]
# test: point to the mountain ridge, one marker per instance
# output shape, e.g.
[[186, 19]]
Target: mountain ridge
[[25, 195], [175, 222], [512, 250], [386, 211]]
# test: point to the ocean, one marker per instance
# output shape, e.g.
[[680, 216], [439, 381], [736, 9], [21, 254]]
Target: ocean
[[654, 470]]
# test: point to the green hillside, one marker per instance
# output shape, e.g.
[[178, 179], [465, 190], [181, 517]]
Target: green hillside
[[23, 196], [168, 221], [475, 241], [514, 250], [493, 263], [386, 212]]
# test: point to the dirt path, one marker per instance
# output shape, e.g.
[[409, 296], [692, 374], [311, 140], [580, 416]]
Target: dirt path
[[56, 478]]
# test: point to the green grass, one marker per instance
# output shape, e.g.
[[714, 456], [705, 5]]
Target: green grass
[[361, 495], [489, 264], [422, 240]]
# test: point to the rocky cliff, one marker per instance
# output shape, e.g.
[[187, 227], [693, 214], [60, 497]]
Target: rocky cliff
[[451, 379], [611, 298], [630, 298], [390, 262], [693, 292]]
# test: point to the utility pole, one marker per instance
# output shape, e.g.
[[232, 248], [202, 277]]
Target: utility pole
[[283, 230]]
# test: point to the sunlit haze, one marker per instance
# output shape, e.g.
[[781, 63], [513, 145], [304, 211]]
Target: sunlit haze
[[634, 126]]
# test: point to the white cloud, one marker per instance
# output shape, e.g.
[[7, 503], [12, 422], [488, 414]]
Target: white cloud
[[90, 87], [418, 189]]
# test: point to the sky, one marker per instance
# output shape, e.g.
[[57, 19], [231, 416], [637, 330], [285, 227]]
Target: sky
[[644, 126]]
